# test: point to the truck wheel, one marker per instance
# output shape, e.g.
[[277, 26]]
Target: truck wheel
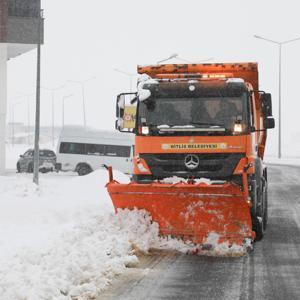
[[253, 196], [259, 212], [258, 227], [265, 204], [259, 185], [83, 169]]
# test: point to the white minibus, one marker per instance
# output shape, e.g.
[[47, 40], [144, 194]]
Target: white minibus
[[85, 150]]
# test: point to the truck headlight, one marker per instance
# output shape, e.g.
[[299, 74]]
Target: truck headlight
[[145, 130], [238, 128]]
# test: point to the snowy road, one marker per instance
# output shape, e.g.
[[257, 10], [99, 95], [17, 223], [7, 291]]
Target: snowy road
[[272, 271]]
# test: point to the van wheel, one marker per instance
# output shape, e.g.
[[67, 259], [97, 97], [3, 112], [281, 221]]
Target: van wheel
[[83, 169]]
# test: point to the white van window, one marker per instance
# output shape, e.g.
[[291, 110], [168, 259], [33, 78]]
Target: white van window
[[72, 148], [120, 151], [94, 149]]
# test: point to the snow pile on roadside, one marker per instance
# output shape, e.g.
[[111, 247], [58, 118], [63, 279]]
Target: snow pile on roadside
[[63, 240], [81, 262]]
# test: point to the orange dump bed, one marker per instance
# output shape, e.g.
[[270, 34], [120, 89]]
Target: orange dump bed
[[247, 71]]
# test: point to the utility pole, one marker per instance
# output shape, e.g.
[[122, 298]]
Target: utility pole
[[37, 108]]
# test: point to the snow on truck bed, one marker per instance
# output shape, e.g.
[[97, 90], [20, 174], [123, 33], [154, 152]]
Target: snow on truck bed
[[63, 240]]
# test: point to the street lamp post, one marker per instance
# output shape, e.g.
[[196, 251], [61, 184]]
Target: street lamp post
[[13, 121], [63, 108], [28, 113], [175, 55], [37, 106], [279, 44], [12, 107], [130, 75], [183, 59], [82, 83], [53, 90]]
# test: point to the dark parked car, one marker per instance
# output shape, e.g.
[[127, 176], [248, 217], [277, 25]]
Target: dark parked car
[[47, 161]]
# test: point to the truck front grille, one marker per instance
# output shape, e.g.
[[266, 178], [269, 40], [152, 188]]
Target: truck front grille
[[211, 165]]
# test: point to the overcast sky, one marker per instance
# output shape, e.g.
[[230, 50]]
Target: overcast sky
[[86, 39]]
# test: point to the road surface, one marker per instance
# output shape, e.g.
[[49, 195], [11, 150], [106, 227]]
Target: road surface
[[271, 271]]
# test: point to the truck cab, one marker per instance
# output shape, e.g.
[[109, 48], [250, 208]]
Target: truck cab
[[198, 126]]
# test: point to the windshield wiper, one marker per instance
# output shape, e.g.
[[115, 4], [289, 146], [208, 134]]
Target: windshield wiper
[[208, 124]]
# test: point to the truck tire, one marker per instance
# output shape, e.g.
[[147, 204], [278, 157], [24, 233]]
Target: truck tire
[[259, 201], [259, 185], [83, 169], [257, 226], [253, 196], [265, 204]]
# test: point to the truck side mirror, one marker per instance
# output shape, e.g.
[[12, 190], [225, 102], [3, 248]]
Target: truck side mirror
[[118, 125], [126, 112], [120, 105], [266, 100], [269, 123]]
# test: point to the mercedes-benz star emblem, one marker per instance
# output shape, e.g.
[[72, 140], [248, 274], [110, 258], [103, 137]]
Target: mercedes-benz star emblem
[[191, 161]]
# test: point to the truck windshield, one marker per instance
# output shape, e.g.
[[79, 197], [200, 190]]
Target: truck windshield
[[204, 112]]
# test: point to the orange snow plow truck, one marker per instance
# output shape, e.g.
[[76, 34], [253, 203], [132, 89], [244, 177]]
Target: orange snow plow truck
[[200, 136]]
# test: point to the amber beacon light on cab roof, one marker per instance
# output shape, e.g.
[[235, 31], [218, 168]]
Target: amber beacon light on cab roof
[[195, 121]]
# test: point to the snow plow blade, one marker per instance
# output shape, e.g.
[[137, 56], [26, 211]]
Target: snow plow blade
[[190, 211]]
